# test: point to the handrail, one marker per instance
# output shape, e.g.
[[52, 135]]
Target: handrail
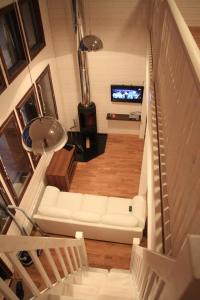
[[156, 237], [149, 145], [11, 243], [176, 62], [160, 179]]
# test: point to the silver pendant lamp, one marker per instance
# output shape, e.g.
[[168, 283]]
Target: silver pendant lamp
[[43, 134]]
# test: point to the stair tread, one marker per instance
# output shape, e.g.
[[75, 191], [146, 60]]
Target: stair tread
[[120, 275], [97, 282], [119, 280], [94, 275], [98, 270], [84, 290], [125, 271], [91, 278], [111, 297], [67, 298], [116, 290]]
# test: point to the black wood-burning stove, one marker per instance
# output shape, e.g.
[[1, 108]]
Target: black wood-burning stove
[[87, 122], [87, 119]]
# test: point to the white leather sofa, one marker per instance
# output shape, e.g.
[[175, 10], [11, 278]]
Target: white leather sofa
[[98, 217]]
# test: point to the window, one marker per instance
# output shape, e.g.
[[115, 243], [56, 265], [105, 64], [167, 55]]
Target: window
[[46, 93], [11, 42], [5, 272], [32, 24], [2, 82], [5, 220], [15, 166], [27, 110]]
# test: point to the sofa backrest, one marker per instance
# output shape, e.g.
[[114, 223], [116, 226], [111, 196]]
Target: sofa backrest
[[94, 204], [70, 201]]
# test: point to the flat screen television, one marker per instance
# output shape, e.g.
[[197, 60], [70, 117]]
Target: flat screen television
[[127, 93]]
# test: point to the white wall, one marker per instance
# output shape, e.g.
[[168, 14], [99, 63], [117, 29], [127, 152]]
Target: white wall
[[122, 27], [14, 93], [190, 11]]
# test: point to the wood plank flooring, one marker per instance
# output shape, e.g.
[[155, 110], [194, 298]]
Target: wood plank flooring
[[114, 173], [196, 34]]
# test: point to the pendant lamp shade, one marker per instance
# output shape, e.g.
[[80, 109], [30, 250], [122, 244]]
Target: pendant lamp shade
[[43, 134], [91, 43]]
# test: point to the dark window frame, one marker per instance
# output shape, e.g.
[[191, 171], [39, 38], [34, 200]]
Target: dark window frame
[[2, 82], [38, 29], [37, 82], [17, 199], [17, 68], [30, 93], [8, 202], [5, 272]]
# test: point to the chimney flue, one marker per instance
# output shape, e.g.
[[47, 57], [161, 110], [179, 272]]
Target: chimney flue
[[85, 43]]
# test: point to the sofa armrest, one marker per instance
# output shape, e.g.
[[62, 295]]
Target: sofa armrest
[[139, 209]]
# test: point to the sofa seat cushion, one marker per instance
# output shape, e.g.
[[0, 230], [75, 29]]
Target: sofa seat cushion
[[120, 220], [70, 201], [118, 205], [94, 204], [54, 212], [86, 216]]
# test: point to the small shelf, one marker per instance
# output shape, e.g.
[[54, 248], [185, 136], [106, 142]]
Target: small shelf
[[122, 117]]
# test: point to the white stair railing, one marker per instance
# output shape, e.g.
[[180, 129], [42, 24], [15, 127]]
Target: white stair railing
[[176, 73], [159, 277], [70, 253]]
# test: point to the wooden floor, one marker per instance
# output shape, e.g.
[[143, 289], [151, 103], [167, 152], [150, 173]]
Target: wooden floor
[[114, 173], [196, 34]]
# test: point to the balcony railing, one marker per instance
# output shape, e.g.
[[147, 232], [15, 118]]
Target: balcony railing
[[176, 73]]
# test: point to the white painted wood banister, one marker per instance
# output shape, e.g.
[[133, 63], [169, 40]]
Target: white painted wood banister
[[69, 260], [12, 256], [176, 73], [8, 293], [160, 277], [157, 277], [10, 246], [40, 268], [61, 260], [52, 264], [188, 40], [16, 243]]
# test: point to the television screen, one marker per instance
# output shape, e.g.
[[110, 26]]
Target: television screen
[[127, 93]]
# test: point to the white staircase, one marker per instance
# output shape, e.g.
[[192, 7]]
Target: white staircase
[[98, 284], [151, 276]]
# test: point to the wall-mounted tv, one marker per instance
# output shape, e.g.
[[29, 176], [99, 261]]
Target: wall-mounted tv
[[127, 93]]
